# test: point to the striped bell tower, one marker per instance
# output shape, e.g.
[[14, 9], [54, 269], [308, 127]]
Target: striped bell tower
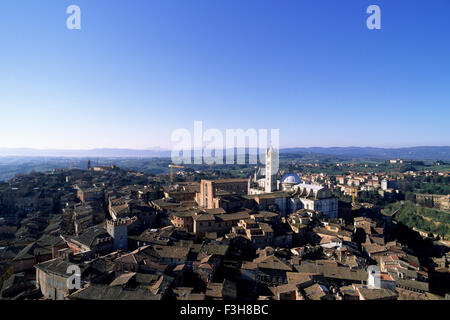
[[271, 171]]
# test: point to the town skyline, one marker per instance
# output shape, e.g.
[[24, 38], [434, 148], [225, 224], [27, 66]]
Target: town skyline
[[255, 157]]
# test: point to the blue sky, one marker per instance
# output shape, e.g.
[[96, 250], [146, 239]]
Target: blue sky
[[137, 70]]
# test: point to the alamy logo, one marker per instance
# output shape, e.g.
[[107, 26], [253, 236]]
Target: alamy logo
[[374, 20], [212, 146], [73, 22], [74, 280]]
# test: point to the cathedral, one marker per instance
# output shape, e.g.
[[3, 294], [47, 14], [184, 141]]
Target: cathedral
[[290, 191], [268, 184]]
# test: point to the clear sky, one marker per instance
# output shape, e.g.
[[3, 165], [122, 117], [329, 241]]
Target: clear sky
[[137, 70]]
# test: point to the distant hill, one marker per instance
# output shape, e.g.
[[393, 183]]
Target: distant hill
[[410, 153], [92, 153]]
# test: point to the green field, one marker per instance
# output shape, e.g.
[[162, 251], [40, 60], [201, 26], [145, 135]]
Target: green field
[[426, 219]]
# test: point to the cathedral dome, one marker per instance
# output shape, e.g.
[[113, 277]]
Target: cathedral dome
[[291, 178]]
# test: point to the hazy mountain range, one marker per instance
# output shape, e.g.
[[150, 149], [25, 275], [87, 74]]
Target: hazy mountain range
[[411, 153]]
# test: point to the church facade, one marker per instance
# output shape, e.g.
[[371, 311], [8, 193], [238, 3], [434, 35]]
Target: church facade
[[296, 194]]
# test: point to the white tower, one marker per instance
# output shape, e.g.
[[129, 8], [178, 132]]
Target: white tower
[[271, 170]]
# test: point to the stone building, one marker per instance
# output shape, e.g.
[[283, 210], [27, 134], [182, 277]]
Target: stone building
[[52, 278], [118, 230], [212, 190], [221, 224], [314, 197]]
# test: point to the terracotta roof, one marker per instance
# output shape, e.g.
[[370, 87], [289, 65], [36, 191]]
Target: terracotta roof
[[272, 262], [122, 279]]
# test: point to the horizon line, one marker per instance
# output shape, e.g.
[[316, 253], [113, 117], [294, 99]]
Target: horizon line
[[246, 147]]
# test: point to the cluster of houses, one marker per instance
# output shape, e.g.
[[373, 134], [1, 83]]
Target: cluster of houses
[[128, 236]]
